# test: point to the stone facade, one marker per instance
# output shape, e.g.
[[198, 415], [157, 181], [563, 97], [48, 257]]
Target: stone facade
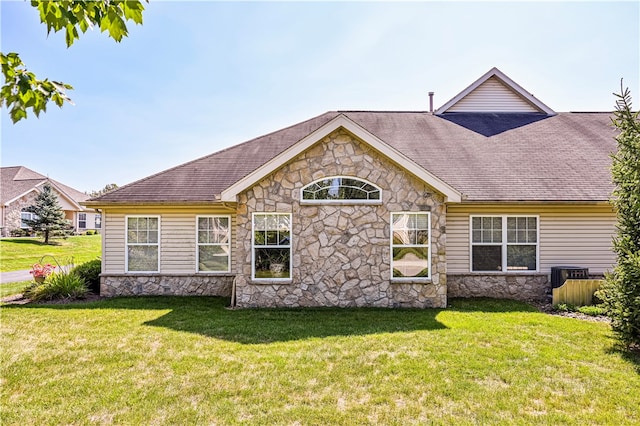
[[166, 285], [12, 219], [518, 287], [340, 252]]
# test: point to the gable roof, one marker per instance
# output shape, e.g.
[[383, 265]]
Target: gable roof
[[563, 158], [18, 181], [341, 121], [494, 92]]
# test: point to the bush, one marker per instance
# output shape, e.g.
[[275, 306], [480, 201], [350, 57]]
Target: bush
[[90, 273], [91, 232], [61, 285]]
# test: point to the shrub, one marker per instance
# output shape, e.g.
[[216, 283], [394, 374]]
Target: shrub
[[61, 285], [90, 232], [90, 273]]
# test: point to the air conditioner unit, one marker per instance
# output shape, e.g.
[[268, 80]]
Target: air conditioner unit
[[559, 274]]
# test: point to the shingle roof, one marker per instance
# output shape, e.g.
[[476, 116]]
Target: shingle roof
[[18, 180], [487, 157]]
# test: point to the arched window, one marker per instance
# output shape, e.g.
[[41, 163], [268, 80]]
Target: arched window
[[341, 188]]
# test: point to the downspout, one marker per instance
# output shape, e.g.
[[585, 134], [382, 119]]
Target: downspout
[[233, 293]]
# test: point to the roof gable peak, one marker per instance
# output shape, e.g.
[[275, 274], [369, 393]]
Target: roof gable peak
[[495, 92]]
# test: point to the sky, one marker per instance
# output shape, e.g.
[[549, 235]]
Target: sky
[[198, 77]]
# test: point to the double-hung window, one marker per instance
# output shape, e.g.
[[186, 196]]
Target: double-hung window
[[98, 221], [410, 246], [143, 243], [82, 220], [271, 242], [504, 243], [214, 243]]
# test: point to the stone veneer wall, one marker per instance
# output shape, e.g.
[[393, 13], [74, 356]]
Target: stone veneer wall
[[165, 285], [518, 287], [12, 218], [341, 253]]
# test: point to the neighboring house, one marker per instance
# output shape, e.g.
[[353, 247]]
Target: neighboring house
[[20, 186], [393, 209]]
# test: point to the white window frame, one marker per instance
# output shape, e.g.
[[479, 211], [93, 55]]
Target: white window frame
[[253, 248], [32, 216], [429, 245], [127, 244], [341, 201], [82, 220], [199, 244], [504, 244], [97, 221]]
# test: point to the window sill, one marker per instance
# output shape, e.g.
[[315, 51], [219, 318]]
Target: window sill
[[263, 281]]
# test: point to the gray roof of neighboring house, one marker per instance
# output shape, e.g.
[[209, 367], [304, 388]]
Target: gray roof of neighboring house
[[485, 156], [18, 180]]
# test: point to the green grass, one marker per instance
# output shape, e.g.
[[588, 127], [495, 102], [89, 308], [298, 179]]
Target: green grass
[[20, 253], [191, 361], [10, 289]]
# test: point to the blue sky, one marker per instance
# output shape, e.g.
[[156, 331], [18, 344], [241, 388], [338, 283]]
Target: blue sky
[[201, 76]]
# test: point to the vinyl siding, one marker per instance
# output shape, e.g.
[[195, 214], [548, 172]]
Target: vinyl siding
[[177, 238], [573, 235], [492, 96]]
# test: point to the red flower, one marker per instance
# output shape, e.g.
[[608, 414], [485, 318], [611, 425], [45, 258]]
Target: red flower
[[39, 270]]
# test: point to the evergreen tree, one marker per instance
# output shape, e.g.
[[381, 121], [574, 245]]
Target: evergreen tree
[[621, 292], [49, 213]]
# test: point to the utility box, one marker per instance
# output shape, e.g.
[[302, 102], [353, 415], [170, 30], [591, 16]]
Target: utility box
[[559, 274]]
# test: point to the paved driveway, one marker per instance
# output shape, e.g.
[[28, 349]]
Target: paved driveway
[[14, 276]]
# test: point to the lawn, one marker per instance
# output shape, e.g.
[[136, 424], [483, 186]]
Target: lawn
[[171, 360], [20, 253]]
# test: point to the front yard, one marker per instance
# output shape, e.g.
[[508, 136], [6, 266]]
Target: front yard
[[21, 253], [170, 360]]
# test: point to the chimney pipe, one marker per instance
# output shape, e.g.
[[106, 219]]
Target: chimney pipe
[[431, 102]]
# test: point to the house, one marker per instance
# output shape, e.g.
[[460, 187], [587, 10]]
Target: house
[[481, 197], [20, 186]]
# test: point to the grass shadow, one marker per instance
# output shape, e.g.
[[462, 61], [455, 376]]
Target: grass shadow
[[209, 316], [34, 241]]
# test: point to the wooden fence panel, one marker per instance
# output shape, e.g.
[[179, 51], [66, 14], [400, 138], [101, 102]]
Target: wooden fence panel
[[576, 292]]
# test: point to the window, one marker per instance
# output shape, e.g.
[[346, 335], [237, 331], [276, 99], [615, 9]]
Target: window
[[26, 216], [214, 243], [271, 246], [98, 221], [340, 188], [410, 245], [504, 243], [143, 236], [82, 220]]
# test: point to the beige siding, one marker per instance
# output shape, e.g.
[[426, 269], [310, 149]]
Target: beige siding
[[573, 235], [113, 243], [177, 237], [492, 96]]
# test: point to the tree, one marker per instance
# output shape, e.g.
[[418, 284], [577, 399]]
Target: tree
[[107, 188], [621, 291], [22, 90], [48, 212]]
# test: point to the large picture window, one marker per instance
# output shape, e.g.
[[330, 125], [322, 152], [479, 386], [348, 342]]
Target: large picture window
[[410, 245], [504, 243], [341, 188], [271, 246], [143, 243], [214, 243]]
